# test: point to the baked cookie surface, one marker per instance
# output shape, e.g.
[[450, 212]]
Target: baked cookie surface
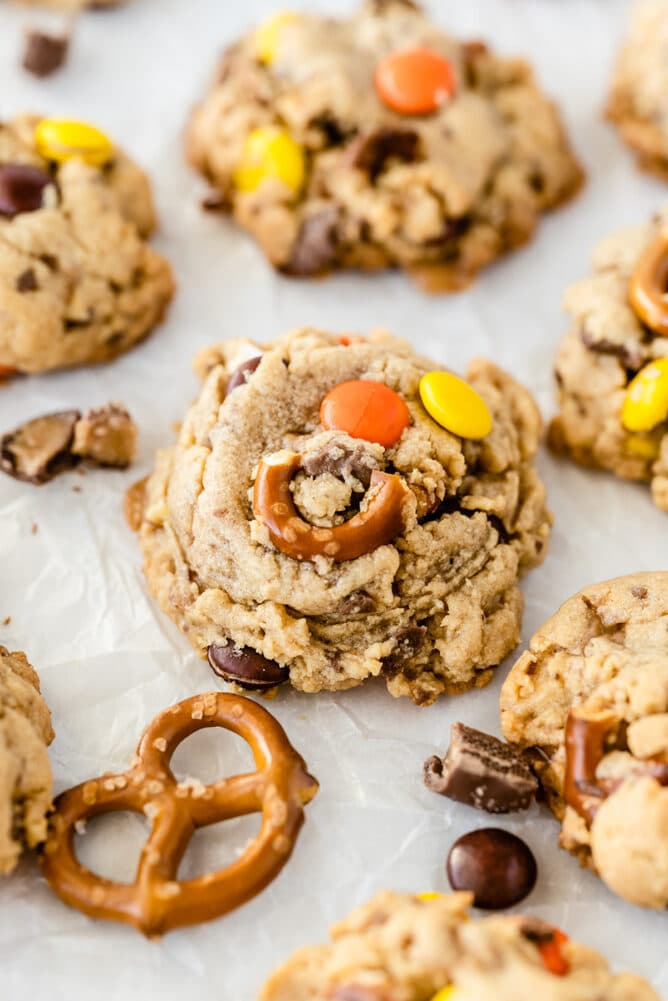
[[592, 694], [78, 282], [326, 174], [25, 771], [448, 525], [399, 947], [608, 348], [637, 103]]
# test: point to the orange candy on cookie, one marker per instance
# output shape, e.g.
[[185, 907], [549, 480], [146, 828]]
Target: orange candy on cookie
[[415, 81], [363, 409]]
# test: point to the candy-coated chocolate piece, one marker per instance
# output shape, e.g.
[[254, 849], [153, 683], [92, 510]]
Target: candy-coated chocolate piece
[[496, 866], [245, 667], [429, 895], [415, 81], [268, 35], [446, 994], [270, 153], [365, 409], [455, 405], [642, 446], [646, 400], [551, 953], [62, 139]]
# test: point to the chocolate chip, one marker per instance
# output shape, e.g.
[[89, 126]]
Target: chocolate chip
[[357, 603], [483, 772], [246, 667], [37, 451], [317, 244], [371, 151], [44, 53], [27, 281], [639, 592], [242, 374], [494, 865], [21, 188]]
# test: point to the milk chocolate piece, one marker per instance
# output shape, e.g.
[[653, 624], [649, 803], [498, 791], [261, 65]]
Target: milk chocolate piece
[[44, 53], [483, 772]]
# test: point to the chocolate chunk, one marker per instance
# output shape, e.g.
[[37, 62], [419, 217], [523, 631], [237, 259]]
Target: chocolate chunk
[[44, 53], [27, 281], [639, 592], [371, 151], [317, 244], [22, 188], [483, 772], [408, 644], [245, 667], [242, 374], [630, 356], [39, 450], [341, 459], [357, 603], [496, 866]]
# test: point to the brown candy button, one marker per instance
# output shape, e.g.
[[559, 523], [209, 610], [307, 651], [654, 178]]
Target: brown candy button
[[242, 374], [21, 188], [494, 865], [245, 667], [483, 772]]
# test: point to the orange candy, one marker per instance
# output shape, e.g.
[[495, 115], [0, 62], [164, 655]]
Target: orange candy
[[6, 372], [368, 410], [415, 81], [552, 956]]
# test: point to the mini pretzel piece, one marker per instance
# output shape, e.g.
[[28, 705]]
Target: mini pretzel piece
[[648, 289], [158, 901], [379, 524]]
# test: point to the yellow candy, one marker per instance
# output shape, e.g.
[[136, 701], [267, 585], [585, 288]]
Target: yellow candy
[[446, 994], [268, 34], [429, 895], [270, 152], [644, 448], [646, 400], [61, 139], [455, 405]]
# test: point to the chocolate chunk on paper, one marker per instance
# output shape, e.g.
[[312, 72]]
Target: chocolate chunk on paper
[[483, 772], [44, 53]]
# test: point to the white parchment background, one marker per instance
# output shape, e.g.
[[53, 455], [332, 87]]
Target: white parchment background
[[69, 567]]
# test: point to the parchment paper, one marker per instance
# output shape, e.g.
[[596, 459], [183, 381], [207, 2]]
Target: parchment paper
[[70, 569]]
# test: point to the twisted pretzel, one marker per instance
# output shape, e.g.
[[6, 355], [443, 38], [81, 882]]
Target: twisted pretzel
[[157, 901], [648, 289], [383, 520]]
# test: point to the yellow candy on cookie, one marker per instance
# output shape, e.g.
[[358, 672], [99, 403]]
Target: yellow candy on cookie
[[268, 34], [446, 994], [429, 895], [646, 400], [61, 139], [270, 152], [455, 405]]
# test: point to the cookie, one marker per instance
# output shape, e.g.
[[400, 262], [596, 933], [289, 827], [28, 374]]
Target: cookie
[[613, 396], [25, 772], [637, 102], [289, 543], [401, 947], [591, 694], [380, 141], [78, 282]]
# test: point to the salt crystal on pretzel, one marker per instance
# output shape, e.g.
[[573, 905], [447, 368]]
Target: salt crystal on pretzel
[[158, 901]]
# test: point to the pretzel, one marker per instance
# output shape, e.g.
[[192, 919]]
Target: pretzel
[[586, 742], [157, 901], [273, 505], [648, 289]]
